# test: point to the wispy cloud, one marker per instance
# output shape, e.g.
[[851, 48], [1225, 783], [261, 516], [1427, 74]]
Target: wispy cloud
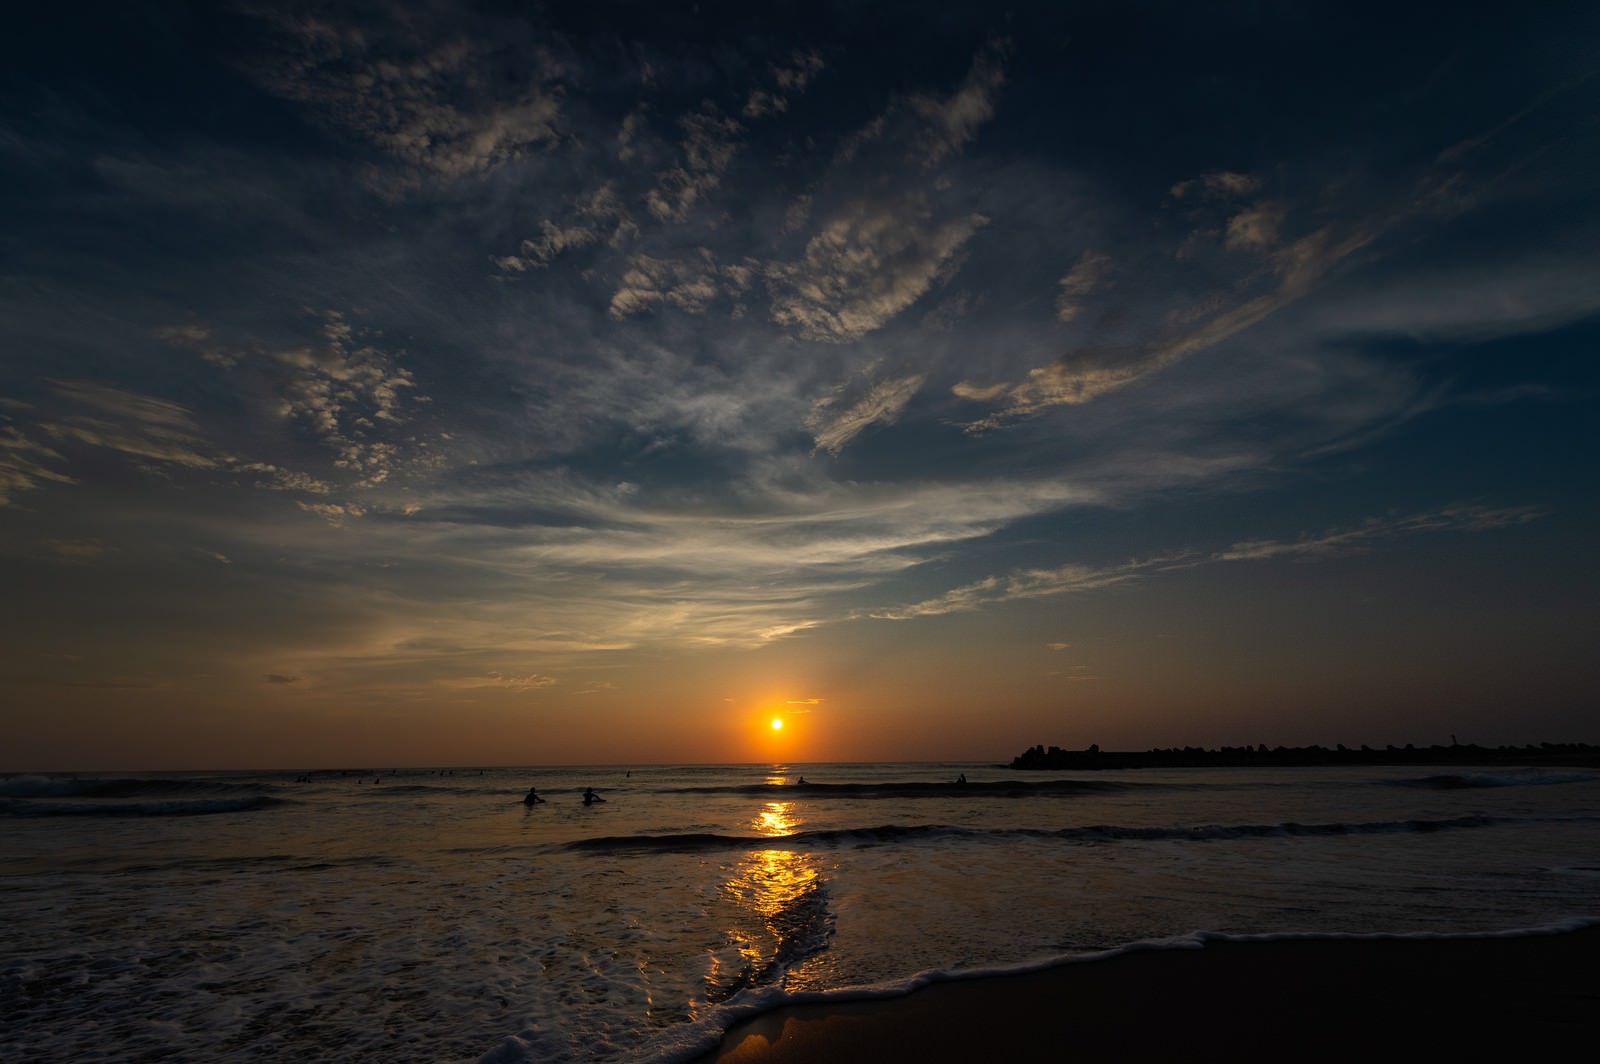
[[706, 151], [865, 266], [1076, 378], [598, 216], [1216, 184], [1256, 227], [1070, 579], [1260, 231], [531, 681], [1371, 533], [1023, 584], [433, 93], [347, 391], [690, 284], [881, 405], [22, 465], [952, 121], [77, 550], [789, 80], [335, 513], [141, 426], [1088, 275], [158, 433]]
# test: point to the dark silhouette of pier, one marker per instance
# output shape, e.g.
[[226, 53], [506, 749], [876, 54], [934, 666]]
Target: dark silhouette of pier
[[1456, 754]]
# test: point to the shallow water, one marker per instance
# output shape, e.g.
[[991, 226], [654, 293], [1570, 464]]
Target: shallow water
[[420, 915]]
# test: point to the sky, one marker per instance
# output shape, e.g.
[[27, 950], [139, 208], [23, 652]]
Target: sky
[[519, 383]]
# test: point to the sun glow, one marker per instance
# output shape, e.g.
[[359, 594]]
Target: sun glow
[[777, 724]]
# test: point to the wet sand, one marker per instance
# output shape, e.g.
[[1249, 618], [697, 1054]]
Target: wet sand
[[1315, 999]]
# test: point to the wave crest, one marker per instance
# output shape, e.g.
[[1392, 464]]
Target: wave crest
[[1098, 833], [176, 807]]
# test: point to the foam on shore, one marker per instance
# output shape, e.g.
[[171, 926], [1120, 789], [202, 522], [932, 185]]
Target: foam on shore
[[762, 1026]]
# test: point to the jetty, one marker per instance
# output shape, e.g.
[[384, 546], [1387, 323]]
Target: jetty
[[1572, 755]]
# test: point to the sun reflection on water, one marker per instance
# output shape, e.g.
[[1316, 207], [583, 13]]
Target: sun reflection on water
[[782, 892], [776, 818]]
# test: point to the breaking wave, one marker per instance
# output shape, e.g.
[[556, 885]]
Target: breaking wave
[[171, 807], [989, 789], [1472, 780], [128, 787], [1099, 833]]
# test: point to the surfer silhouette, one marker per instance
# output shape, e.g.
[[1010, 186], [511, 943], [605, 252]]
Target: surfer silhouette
[[589, 797], [961, 778], [532, 797]]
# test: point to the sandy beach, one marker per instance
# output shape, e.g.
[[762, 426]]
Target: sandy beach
[[1314, 999]]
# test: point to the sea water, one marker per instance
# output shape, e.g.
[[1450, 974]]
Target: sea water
[[429, 915]]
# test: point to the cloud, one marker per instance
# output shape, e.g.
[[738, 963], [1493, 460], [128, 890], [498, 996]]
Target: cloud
[[21, 465], [444, 100], [1218, 184], [951, 122], [1363, 537], [1088, 275], [1071, 579], [951, 311], [690, 284], [865, 266], [341, 388], [854, 142], [280, 678], [1080, 377], [598, 216], [156, 431], [503, 681], [1061, 383], [334, 513], [279, 479], [624, 568], [706, 151], [627, 133], [77, 550], [881, 405], [1469, 302], [537, 252], [789, 80], [349, 393], [141, 426], [929, 128], [1058, 646], [1255, 228], [1023, 584]]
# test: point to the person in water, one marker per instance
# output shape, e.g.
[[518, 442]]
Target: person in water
[[961, 778], [589, 797], [801, 782], [532, 797]]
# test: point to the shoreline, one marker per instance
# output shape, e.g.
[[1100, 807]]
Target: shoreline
[[1307, 998]]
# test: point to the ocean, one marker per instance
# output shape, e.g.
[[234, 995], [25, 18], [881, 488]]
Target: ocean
[[428, 915]]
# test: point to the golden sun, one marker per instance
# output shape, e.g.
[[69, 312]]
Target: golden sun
[[777, 724]]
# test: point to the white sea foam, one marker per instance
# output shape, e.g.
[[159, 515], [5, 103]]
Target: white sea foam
[[37, 786]]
